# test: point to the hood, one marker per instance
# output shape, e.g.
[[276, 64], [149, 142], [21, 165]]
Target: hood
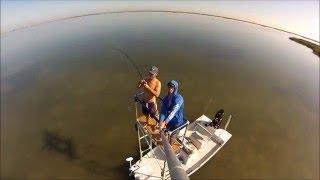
[[176, 86]]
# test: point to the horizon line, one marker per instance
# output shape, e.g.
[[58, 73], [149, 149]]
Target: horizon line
[[164, 11]]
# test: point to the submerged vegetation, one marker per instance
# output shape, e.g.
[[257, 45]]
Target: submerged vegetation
[[315, 48], [55, 142]]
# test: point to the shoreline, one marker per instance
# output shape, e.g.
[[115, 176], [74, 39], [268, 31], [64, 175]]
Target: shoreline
[[164, 11], [314, 47]]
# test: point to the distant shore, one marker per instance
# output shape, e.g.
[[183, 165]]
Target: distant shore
[[167, 11], [315, 48]]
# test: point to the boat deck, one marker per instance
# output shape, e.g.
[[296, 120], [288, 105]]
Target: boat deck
[[203, 143]]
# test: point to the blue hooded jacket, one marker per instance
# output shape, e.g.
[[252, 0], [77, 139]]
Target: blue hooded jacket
[[172, 111]]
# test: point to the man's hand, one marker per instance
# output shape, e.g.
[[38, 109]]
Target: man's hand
[[142, 83], [162, 125], [146, 85]]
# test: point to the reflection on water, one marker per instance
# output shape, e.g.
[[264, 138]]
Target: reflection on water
[[64, 79]]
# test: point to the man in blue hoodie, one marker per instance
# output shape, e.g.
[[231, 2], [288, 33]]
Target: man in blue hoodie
[[172, 109]]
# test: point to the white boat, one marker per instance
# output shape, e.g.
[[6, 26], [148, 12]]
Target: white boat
[[198, 142]]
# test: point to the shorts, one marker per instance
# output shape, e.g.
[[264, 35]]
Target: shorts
[[150, 109]]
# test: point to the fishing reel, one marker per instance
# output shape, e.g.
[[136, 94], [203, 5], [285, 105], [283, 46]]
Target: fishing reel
[[142, 82], [136, 98]]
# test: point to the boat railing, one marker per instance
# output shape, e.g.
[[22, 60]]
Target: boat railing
[[178, 129]]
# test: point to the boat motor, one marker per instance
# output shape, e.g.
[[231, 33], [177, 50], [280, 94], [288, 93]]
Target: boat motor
[[216, 122]]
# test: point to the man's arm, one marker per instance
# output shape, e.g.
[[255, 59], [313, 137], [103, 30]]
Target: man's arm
[[174, 110], [162, 113], [156, 91], [141, 82]]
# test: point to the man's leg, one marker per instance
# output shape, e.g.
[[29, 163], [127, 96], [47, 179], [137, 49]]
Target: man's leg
[[145, 110], [154, 111]]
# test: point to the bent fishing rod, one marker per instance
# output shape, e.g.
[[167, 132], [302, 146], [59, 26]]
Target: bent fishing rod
[[132, 63], [130, 60]]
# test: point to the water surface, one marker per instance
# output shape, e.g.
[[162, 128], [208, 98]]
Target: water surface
[[64, 78]]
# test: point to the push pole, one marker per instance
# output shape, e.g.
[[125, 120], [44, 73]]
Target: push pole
[[174, 165]]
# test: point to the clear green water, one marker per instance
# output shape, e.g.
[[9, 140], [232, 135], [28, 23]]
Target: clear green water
[[63, 77]]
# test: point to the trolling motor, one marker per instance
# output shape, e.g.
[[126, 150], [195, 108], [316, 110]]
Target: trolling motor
[[216, 122]]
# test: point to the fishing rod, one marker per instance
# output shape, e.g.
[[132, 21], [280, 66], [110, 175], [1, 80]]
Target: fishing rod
[[132, 63], [130, 60]]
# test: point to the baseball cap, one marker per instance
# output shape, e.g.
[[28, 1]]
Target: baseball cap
[[154, 70]]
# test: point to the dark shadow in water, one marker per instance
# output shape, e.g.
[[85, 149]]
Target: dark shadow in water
[[52, 141], [26, 78]]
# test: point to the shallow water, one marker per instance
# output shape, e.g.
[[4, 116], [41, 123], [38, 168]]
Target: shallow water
[[64, 78]]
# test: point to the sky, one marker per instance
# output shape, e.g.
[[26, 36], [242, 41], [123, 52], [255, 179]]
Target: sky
[[297, 16]]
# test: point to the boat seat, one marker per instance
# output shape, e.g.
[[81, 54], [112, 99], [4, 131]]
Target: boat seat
[[194, 141], [187, 150]]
